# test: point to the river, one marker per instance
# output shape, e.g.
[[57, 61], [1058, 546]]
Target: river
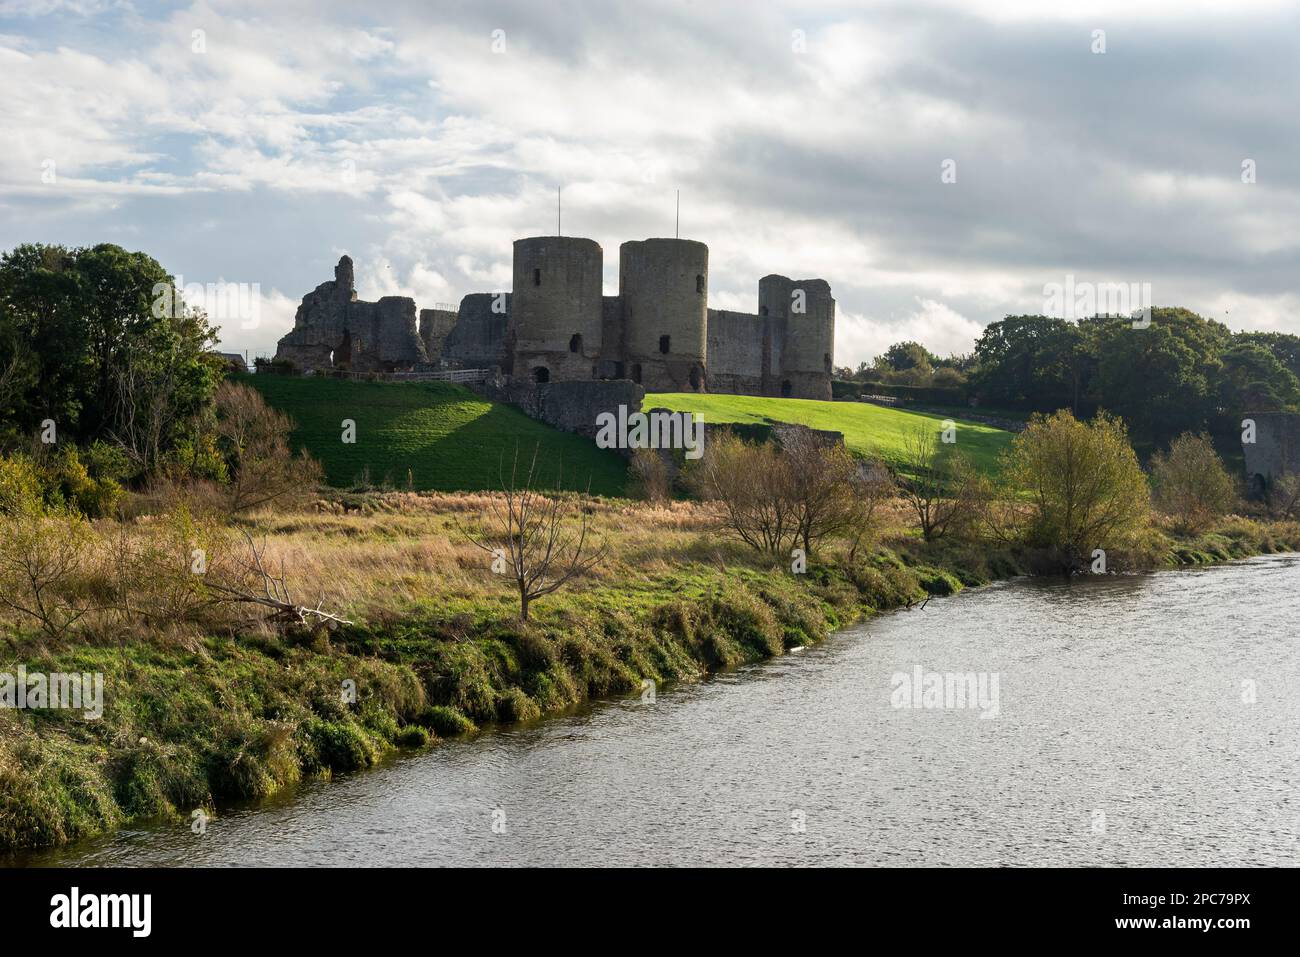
[[1140, 720]]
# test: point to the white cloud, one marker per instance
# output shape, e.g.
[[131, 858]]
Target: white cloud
[[935, 325], [401, 136]]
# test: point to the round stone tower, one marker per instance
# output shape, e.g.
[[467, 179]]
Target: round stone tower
[[806, 310], [664, 286], [555, 310]]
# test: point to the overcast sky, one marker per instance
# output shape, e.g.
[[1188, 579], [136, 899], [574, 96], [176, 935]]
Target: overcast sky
[[807, 139]]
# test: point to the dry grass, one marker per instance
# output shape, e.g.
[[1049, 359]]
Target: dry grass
[[380, 556], [406, 548]]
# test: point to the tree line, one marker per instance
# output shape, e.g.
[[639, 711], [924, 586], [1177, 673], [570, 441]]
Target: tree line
[[1179, 373], [108, 381]]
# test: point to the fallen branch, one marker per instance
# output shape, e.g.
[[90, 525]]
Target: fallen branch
[[275, 593]]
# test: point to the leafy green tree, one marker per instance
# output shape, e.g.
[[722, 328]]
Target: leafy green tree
[[1284, 346], [84, 342], [1036, 363], [1086, 488], [1159, 379], [43, 344], [902, 356], [1252, 379]]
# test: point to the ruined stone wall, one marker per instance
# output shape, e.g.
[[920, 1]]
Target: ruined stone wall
[[333, 329], [568, 406], [384, 336], [435, 324], [1275, 451], [737, 348], [479, 339]]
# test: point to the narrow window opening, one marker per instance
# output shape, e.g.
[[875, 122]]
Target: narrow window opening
[[537, 277], [762, 310], [575, 344], [786, 389], [699, 284], [636, 372], [665, 344]]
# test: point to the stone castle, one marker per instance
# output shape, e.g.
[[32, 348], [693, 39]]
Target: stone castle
[[558, 326]]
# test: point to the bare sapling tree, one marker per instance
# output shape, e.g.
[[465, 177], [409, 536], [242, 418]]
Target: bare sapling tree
[[1284, 496], [818, 476], [750, 486], [651, 477], [870, 487], [41, 556], [534, 540], [938, 483], [256, 439], [146, 410]]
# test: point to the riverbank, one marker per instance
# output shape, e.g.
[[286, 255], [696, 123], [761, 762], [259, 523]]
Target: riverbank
[[192, 720]]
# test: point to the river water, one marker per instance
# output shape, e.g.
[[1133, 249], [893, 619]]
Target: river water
[[1125, 734]]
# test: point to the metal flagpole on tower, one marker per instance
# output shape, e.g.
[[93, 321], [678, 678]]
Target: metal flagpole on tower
[[677, 230], [557, 211]]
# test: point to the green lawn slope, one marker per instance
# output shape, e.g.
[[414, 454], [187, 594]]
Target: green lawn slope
[[449, 438], [868, 429]]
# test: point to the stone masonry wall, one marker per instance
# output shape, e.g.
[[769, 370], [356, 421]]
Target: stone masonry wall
[[1276, 449], [568, 406]]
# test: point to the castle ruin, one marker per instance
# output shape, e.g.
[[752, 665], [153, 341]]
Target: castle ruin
[[558, 326]]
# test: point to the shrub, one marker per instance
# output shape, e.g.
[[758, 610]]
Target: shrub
[[162, 571], [748, 483], [73, 484], [1191, 484], [42, 564], [651, 476], [60, 480], [20, 485], [1086, 487]]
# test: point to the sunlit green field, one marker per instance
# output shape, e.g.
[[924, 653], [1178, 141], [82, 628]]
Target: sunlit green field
[[868, 429]]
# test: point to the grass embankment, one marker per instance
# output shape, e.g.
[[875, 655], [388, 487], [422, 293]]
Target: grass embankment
[[194, 719], [869, 430], [428, 436], [191, 718]]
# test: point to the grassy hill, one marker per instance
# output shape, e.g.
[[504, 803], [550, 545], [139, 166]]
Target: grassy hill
[[868, 429], [449, 438]]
